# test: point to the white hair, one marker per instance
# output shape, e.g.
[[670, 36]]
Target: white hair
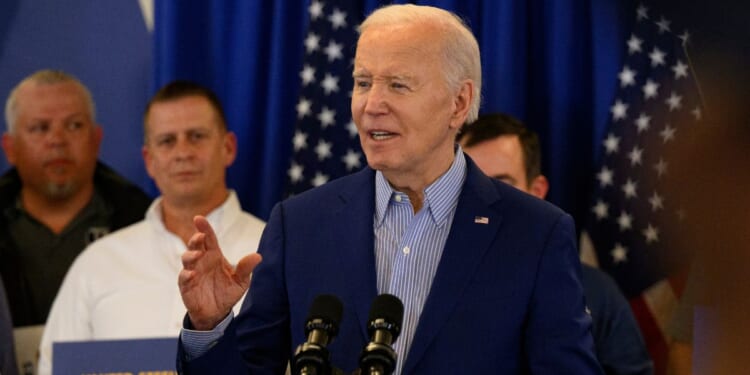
[[45, 77], [460, 52]]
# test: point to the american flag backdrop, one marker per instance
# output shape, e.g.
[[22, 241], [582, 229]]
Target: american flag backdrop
[[325, 142], [655, 107]]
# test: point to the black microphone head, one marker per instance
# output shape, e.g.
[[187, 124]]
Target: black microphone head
[[386, 312], [325, 313]]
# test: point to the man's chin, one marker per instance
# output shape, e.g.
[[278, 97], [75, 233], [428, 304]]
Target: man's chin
[[60, 190]]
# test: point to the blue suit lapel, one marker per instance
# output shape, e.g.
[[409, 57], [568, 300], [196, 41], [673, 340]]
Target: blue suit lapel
[[354, 218], [469, 239]]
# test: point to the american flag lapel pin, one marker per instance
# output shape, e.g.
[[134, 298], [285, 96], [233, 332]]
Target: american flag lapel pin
[[481, 220]]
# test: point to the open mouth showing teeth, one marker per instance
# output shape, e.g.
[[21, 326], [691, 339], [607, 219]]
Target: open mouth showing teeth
[[378, 136]]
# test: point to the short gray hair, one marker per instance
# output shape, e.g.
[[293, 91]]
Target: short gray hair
[[460, 52], [45, 77]]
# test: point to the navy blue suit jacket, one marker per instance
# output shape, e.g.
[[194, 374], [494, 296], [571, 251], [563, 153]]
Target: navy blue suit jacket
[[506, 298]]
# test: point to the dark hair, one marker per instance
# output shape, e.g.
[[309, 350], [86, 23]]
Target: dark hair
[[491, 126], [181, 89]]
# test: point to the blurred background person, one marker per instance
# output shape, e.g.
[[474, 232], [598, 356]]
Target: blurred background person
[[710, 331], [57, 198], [503, 148], [7, 351], [123, 286]]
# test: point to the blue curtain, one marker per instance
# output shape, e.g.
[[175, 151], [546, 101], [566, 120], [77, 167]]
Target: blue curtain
[[551, 63]]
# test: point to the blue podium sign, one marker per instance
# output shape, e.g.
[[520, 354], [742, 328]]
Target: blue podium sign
[[109, 357]]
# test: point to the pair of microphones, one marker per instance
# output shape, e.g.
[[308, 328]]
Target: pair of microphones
[[377, 358]]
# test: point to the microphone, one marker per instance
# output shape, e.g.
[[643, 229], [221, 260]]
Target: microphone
[[312, 357], [384, 326]]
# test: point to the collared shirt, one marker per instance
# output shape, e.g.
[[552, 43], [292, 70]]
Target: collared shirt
[[408, 246]]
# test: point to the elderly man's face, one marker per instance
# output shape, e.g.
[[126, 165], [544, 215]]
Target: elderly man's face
[[406, 115], [55, 143]]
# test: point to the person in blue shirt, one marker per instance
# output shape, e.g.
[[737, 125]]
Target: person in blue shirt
[[503, 148]]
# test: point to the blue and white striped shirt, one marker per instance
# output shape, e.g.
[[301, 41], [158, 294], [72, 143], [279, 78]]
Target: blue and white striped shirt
[[408, 246]]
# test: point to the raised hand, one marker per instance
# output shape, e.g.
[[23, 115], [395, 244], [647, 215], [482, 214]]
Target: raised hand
[[209, 285]]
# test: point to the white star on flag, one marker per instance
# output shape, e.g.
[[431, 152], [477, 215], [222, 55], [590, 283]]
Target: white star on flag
[[605, 177], [316, 10], [312, 43], [619, 253], [337, 19], [330, 84], [643, 122], [299, 141], [674, 101], [303, 108], [601, 210], [667, 134], [635, 156], [630, 188], [327, 117], [333, 51], [656, 202], [650, 89], [307, 75], [657, 57], [625, 221], [634, 45], [663, 25], [680, 70], [611, 143], [619, 110], [626, 77], [323, 149]]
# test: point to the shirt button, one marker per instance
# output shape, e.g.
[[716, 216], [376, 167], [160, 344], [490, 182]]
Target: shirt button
[[406, 250], [398, 198]]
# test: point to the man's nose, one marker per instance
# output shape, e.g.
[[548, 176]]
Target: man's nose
[[57, 136], [184, 149], [376, 99]]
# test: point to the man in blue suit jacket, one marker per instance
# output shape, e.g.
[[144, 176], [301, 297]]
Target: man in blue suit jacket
[[489, 276]]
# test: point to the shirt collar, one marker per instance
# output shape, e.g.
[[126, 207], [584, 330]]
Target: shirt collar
[[440, 197], [224, 213]]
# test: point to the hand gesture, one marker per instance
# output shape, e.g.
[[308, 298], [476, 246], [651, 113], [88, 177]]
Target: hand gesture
[[209, 285]]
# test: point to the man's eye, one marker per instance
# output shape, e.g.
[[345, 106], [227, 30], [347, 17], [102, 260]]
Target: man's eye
[[37, 128], [197, 136], [361, 84], [164, 141], [75, 125]]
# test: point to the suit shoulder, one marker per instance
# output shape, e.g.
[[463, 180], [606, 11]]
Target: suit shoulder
[[333, 191]]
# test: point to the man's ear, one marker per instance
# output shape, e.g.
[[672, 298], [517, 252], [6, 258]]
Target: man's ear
[[7, 143], [462, 103], [539, 187], [230, 148]]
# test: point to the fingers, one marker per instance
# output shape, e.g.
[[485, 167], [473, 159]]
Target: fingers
[[202, 226], [191, 257], [197, 242], [185, 280], [246, 265]]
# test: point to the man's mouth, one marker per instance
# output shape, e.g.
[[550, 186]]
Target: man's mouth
[[381, 135]]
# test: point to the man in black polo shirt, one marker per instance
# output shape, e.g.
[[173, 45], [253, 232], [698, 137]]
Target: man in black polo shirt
[[57, 198]]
